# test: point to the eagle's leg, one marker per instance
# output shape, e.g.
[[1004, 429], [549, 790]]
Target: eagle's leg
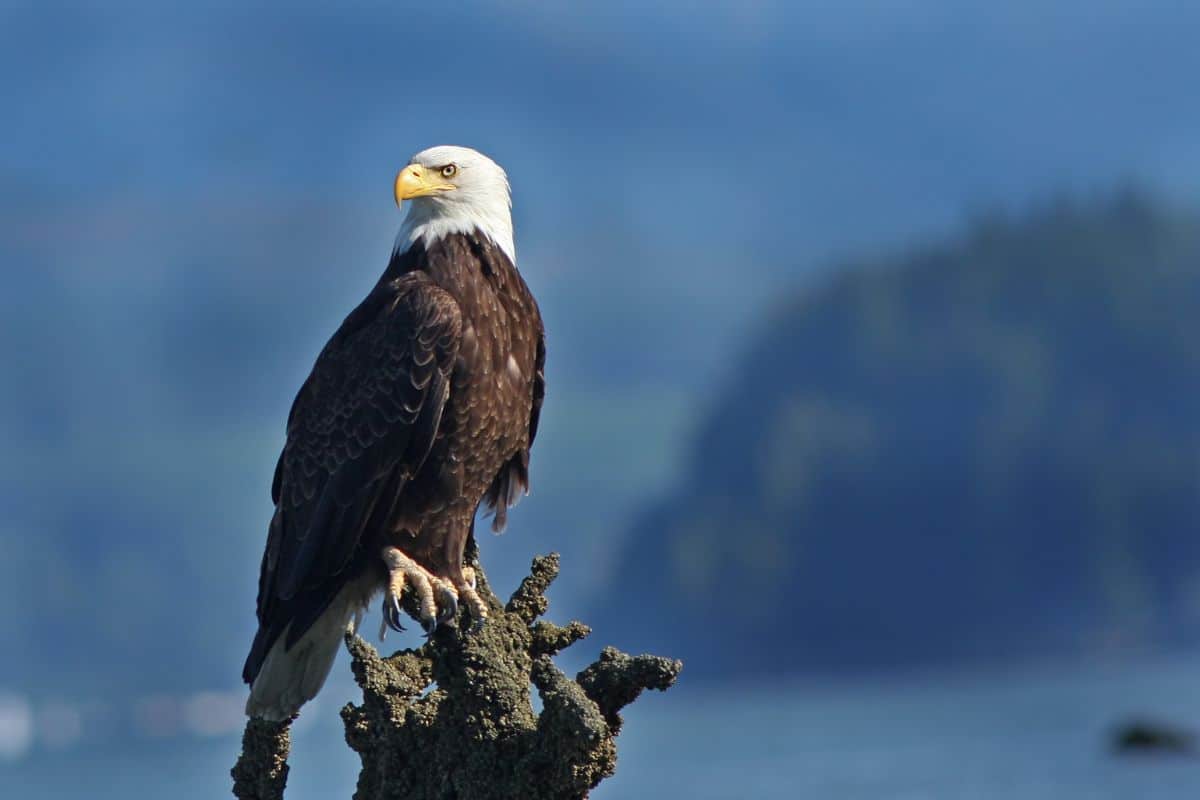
[[402, 570], [475, 605]]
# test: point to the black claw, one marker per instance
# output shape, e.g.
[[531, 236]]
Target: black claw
[[430, 624], [391, 614], [450, 611], [476, 625]]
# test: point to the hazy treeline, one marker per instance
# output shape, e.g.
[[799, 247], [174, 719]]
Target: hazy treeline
[[985, 447]]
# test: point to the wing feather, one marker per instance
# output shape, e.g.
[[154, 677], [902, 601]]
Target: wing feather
[[513, 478], [362, 424]]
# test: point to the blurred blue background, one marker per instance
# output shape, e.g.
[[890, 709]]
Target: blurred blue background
[[873, 387]]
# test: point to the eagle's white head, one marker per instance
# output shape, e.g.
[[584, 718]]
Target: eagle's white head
[[454, 190]]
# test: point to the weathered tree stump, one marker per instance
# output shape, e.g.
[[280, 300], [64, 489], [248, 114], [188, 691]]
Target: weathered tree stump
[[261, 770], [454, 719]]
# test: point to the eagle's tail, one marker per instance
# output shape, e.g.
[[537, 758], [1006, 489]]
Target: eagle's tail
[[291, 676]]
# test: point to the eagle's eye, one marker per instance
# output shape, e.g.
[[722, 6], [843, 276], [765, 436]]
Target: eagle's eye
[[449, 171]]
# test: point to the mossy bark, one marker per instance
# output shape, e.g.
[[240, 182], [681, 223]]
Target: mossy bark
[[454, 719], [261, 770]]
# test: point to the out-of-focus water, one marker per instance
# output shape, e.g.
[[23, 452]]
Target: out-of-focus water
[[1029, 734]]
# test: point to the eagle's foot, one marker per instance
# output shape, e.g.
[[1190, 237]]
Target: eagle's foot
[[429, 588], [475, 605]]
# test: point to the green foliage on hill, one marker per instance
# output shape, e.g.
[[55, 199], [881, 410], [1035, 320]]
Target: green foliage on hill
[[988, 447]]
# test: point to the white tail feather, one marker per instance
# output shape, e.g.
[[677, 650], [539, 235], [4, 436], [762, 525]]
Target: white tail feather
[[290, 678]]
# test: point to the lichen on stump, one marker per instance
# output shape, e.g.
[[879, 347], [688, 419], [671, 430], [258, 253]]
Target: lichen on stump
[[261, 770], [453, 719]]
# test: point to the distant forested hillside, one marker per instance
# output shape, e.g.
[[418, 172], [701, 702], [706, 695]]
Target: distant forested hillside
[[989, 447]]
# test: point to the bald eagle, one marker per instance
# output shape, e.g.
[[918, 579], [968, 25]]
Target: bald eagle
[[423, 405]]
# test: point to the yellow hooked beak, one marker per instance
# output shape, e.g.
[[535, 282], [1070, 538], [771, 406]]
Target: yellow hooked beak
[[417, 181]]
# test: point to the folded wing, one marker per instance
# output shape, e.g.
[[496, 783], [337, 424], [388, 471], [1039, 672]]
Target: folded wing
[[362, 424]]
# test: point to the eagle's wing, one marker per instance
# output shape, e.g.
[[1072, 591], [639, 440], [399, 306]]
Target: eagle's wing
[[539, 386], [361, 425], [513, 478]]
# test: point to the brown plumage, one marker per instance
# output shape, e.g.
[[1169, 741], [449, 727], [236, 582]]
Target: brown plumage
[[423, 404]]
